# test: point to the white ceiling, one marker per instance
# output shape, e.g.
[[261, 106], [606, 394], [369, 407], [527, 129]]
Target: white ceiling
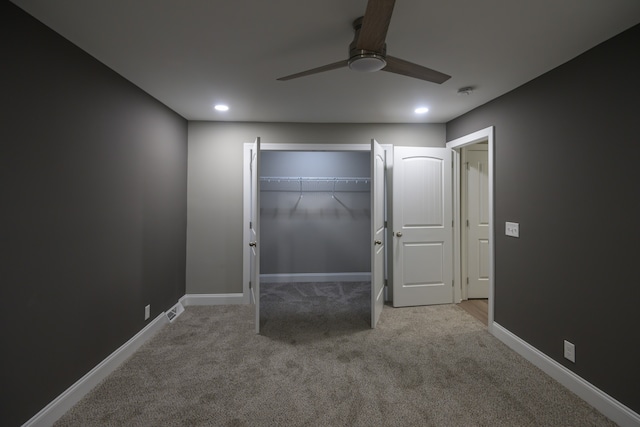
[[191, 54]]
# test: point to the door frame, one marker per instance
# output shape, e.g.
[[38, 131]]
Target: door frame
[[483, 135], [246, 196]]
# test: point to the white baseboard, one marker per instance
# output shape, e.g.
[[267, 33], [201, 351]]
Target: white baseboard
[[61, 404], [212, 299], [316, 277], [607, 405]]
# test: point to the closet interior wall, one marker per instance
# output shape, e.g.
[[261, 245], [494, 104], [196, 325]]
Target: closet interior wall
[[314, 215]]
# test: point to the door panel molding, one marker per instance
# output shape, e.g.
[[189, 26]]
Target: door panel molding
[[422, 223]]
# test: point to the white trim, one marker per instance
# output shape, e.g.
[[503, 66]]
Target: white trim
[[473, 138], [61, 404], [486, 134], [212, 299], [607, 405], [315, 147], [458, 289], [462, 206], [316, 277]]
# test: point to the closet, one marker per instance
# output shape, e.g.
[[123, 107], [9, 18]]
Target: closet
[[315, 216]]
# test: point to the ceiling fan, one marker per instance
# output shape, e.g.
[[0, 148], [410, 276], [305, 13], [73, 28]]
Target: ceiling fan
[[368, 50]]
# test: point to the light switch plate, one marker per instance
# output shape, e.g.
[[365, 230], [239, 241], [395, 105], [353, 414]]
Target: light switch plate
[[512, 229]]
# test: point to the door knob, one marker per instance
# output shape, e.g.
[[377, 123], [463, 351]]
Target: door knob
[[253, 244], [378, 242], [399, 233]]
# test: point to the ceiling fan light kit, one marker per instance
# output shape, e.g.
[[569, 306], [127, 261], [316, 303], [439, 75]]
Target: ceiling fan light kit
[[367, 62], [368, 50]]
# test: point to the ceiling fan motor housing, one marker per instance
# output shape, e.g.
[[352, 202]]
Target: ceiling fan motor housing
[[365, 60]]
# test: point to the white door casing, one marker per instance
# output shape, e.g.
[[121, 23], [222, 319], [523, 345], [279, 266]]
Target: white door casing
[[422, 226], [476, 161], [254, 231], [378, 235], [487, 136]]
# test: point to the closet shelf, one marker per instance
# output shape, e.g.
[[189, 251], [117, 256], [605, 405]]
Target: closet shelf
[[315, 184], [315, 178]]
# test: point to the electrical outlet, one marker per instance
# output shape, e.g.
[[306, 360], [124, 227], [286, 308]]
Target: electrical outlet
[[569, 351], [512, 229], [147, 312]]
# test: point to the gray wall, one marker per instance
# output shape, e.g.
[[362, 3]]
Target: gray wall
[[322, 231], [566, 170], [93, 184], [214, 234]]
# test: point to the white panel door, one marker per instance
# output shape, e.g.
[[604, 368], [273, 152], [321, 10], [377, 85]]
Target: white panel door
[[254, 230], [422, 226], [378, 166], [477, 160]]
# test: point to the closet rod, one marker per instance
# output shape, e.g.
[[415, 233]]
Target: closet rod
[[315, 178]]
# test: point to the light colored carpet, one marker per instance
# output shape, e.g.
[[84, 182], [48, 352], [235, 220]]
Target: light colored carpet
[[317, 363]]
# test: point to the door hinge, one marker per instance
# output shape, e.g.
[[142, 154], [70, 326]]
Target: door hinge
[[250, 287], [467, 280], [250, 225], [385, 224], [467, 223], [467, 165]]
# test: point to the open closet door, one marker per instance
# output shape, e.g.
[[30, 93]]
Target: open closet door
[[254, 231], [378, 166]]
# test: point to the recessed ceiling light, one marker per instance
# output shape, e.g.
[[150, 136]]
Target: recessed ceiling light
[[421, 110], [221, 107]]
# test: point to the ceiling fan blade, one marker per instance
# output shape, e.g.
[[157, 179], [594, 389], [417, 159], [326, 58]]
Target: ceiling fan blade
[[406, 68], [375, 24], [328, 67]]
